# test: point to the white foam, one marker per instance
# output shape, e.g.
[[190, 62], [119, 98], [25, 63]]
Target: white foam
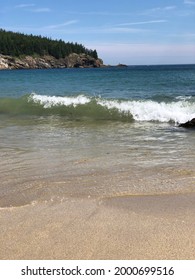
[[50, 101], [180, 111], [144, 110]]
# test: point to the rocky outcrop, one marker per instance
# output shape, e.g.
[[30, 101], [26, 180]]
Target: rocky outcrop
[[189, 124], [46, 62], [121, 65], [82, 61]]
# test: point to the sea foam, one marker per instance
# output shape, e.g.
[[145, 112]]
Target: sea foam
[[177, 111], [50, 101], [148, 110]]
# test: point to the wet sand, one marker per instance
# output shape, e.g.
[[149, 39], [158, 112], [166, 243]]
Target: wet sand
[[129, 227]]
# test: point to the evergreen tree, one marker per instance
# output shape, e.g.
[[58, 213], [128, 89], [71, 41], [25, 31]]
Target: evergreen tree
[[17, 44]]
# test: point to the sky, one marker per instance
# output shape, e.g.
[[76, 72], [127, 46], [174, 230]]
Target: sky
[[133, 32]]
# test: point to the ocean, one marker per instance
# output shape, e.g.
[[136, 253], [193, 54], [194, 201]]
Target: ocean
[[101, 132]]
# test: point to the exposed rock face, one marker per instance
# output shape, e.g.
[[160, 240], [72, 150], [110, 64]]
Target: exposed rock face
[[189, 124], [82, 60], [46, 62], [5, 62]]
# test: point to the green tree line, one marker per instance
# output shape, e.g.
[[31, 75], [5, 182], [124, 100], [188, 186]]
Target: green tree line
[[18, 44]]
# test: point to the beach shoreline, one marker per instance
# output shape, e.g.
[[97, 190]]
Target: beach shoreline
[[93, 163], [129, 227]]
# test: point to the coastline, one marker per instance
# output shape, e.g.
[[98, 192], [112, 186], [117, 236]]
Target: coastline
[[49, 62], [135, 227], [74, 186]]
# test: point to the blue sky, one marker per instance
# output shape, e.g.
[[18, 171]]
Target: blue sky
[[134, 32]]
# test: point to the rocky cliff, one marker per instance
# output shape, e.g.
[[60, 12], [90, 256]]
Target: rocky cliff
[[45, 62]]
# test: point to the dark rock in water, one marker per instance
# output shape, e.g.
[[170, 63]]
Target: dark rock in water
[[121, 65], [189, 124]]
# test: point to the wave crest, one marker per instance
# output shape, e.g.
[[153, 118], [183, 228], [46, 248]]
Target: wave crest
[[81, 107], [50, 101]]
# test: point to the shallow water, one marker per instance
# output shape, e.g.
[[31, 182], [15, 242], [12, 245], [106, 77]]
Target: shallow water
[[65, 141], [49, 159]]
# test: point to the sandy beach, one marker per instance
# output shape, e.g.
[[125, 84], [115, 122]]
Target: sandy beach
[[94, 164], [134, 227]]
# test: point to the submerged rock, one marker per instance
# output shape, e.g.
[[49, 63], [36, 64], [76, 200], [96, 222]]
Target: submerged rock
[[189, 124]]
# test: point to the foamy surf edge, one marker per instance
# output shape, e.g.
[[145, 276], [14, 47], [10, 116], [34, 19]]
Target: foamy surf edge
[[177, 111]]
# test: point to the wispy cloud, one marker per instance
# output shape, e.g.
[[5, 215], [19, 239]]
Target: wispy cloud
[[60, 29], [41, 10], [48, 29], [22, 6], [142, 22], [108, 13], [189, 2], [158, 10], [126, 27], [32, 8], [119, 30], [101, 13], [57, 26], [168, 8]]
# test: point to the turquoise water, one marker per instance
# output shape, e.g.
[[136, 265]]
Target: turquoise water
[[95, 132], [131, 82], [142, 93]]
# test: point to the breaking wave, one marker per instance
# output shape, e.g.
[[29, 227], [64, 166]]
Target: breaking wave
[[177, 110]]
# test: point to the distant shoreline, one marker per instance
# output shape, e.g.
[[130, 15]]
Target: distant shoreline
[[72, 61], [49, 62]]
